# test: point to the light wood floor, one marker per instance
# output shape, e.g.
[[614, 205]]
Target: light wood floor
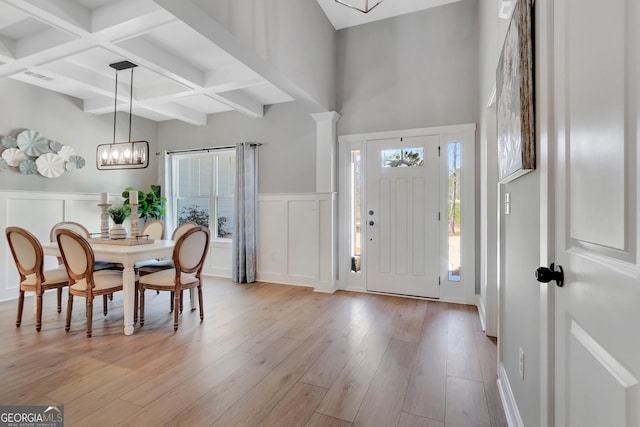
[[269, 355]]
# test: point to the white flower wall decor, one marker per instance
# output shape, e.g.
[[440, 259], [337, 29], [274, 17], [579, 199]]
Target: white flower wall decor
[[32, 154]]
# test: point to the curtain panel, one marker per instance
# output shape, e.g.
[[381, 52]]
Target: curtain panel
[[243, 269]]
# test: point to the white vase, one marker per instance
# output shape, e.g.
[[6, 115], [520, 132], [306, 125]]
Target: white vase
[[118, 232]]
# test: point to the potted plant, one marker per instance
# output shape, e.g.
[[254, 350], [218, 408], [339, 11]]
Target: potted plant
[[118, 215], [150, 205]]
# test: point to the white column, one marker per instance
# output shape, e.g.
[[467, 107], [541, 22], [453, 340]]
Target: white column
[[327, 183]]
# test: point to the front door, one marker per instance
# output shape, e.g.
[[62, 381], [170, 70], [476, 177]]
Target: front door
[[597, 311], [401, 216]]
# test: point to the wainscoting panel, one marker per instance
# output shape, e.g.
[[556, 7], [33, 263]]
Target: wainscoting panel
[[38, 212], [293, 239], [294, 234]]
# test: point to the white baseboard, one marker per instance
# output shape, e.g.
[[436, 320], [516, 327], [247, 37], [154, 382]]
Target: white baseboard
[[508, 400]]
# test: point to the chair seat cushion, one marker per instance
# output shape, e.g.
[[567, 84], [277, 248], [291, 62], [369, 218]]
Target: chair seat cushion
[[165, 278], [105, 279], [153, 266], [51, 277]]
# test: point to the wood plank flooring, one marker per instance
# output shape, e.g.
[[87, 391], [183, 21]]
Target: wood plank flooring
[[265, 355]]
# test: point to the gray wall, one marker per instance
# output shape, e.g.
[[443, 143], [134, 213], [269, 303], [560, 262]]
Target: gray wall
[[519, 245], [286, 161], [415, 70], [61, 118], [293, 36]]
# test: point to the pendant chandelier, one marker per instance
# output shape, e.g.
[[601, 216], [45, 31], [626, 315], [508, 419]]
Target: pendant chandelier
[[122, 155], [360, 5]]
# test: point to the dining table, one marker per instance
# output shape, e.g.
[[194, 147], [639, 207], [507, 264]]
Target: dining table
[[128, 256]]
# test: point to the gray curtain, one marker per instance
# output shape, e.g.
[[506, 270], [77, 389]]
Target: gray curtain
[[244, 215]]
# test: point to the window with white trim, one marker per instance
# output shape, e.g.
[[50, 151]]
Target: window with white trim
[[205, 184]]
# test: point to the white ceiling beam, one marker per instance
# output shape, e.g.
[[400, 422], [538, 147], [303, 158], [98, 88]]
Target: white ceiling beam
[[50, 38], [129, 18], [240, 102], [90, 79], [179, 112], [103, 105], [192, 15], [162, 62], [166, 91], [66, 15], [231, 78]]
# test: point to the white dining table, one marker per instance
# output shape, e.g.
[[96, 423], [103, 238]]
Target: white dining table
[[127, 256]]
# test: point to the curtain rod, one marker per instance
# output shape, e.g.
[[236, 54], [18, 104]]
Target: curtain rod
[[226, 147]]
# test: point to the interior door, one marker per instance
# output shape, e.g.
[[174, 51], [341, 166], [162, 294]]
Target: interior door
[[597, 311], [401, 219]]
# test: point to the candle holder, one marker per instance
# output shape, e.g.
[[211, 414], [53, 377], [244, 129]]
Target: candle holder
[[134, 220], [104, 220]]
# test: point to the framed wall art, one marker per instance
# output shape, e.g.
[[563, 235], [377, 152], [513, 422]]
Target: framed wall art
[[515, 97]]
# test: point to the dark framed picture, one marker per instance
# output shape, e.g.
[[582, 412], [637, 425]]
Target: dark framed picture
[[515, 97]]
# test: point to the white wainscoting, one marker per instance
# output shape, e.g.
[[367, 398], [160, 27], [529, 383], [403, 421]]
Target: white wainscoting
[[294, 235], [294, 239], [38, 212]]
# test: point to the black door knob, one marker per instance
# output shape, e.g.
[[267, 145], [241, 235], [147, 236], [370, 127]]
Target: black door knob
[[371, 222], [545, 275]]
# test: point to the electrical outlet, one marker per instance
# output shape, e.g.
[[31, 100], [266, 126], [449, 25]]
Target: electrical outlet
[[521, 363]]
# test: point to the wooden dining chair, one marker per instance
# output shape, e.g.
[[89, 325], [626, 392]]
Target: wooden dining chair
[[188, 258], [81, 230], [84, 281], [154, 229], [166, 264], [29, 258]]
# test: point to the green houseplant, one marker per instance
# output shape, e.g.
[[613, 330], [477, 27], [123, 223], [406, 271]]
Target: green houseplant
[[150, 205], [118, 215]]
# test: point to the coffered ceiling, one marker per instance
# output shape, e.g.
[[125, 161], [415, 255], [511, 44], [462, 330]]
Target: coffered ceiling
[[67, 45]]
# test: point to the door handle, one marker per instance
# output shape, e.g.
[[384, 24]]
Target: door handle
[[545, 275], [371, 222]]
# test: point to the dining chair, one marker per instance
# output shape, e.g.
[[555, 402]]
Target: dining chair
[[166, 264], [154, 229], [188, 258], [29, 258], [81, 230], [84, 281]]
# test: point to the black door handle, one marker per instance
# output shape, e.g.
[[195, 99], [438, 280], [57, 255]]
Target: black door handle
[[545, 275], [371, 222]]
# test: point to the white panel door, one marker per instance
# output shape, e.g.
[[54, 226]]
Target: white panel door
[[597, 311], [401, 218]]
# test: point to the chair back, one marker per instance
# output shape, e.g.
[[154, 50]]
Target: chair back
[[77, 255], [181, 229], [154, 229], [27, 252], [191, 250], [68, 225]]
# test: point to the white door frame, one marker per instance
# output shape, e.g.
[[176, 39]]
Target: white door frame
[[458, 292]]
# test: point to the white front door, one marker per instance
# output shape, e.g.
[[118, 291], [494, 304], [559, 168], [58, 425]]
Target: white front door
[[597, 311], [401, 216]]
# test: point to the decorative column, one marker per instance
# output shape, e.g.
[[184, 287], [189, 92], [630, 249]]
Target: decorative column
[[326, 190]]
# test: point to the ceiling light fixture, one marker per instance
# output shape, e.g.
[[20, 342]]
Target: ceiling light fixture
[[122, 155], [360, 5]]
